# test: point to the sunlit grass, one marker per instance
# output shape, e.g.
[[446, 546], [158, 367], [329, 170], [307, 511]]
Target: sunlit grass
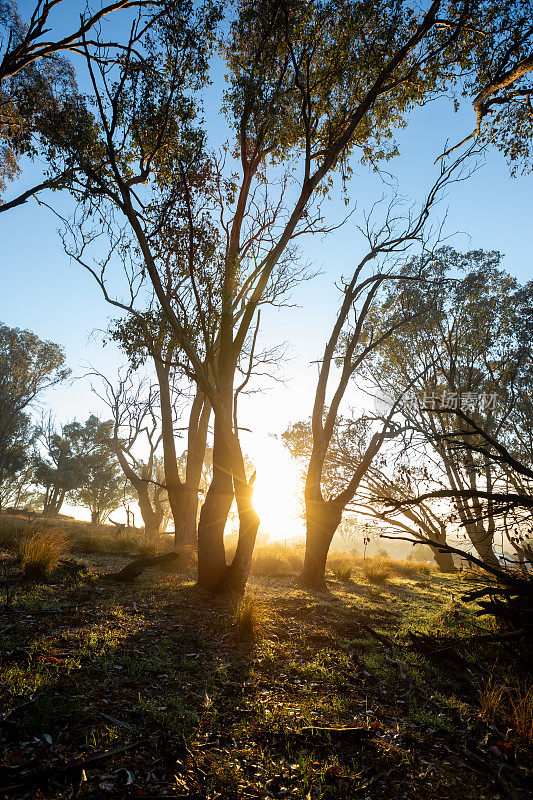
[[40, 551]]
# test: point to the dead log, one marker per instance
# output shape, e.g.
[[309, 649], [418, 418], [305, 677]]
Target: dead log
[[343, 734], [137, 567]]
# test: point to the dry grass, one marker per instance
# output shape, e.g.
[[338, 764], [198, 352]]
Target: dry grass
[[521, 712], [252, 618], [276, 560], [491, 701], [510, 704], [40, 551], [377, 571], [343, 574]]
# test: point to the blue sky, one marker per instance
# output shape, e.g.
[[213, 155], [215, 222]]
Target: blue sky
[[42, 291]]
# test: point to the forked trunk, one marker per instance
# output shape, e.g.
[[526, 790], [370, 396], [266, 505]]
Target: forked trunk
[[323, 519], [236, 575], [213, 517]]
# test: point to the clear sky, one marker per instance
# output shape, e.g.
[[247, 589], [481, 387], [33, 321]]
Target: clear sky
[[42, 291]]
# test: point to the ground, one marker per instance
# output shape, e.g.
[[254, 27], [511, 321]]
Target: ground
[[156, 690]]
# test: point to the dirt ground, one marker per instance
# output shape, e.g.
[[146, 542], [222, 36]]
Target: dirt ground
[[154, 689]]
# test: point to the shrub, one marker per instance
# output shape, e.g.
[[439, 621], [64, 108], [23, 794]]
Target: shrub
[[40, 551]]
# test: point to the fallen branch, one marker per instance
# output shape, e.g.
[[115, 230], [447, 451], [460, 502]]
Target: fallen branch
[[336, 733], [137, 567], [79, 763]]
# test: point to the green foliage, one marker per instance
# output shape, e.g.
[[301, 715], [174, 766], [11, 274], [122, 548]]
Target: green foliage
[[28, 365], [26, 95], [103, 488], [66, 455]]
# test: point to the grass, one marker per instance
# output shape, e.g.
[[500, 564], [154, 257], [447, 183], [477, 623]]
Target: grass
[[376, 571], [40, 551], [509, 705], [343, 574], [252, 619], [521, 716], [83, 537], [215, 697]]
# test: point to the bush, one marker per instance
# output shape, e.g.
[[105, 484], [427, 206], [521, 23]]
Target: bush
[[40, 552]]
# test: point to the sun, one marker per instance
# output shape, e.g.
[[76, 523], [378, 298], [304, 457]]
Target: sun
[[276, 489]]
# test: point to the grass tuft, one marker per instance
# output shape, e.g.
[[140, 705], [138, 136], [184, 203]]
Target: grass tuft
[[491, 701], [521, 712], [376, 571], [40, 552], [251, 617], [343, 574]]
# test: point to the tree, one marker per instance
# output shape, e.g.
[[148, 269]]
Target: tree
[[36, 77], [61, 463], [16, 474], [135, 412], [347, 450], [499, 85], [144, 337], [467, 362], [28, 366], [333, 480], [102, 489], [311, 84]]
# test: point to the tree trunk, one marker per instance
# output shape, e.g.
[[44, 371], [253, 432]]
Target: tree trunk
[[53, 502], [186, 528], [150, 519], [444, 561], [323, 518], [151, 522], [215, 510], [236, 575], [483, 547], [172, 479], [95, 517]]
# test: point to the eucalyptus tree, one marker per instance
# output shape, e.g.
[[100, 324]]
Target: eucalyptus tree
[[28, 366], [468, 365], [314, 87], [36, 75], [499, 84], [135, 440], [147, 338], [334, 476]]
